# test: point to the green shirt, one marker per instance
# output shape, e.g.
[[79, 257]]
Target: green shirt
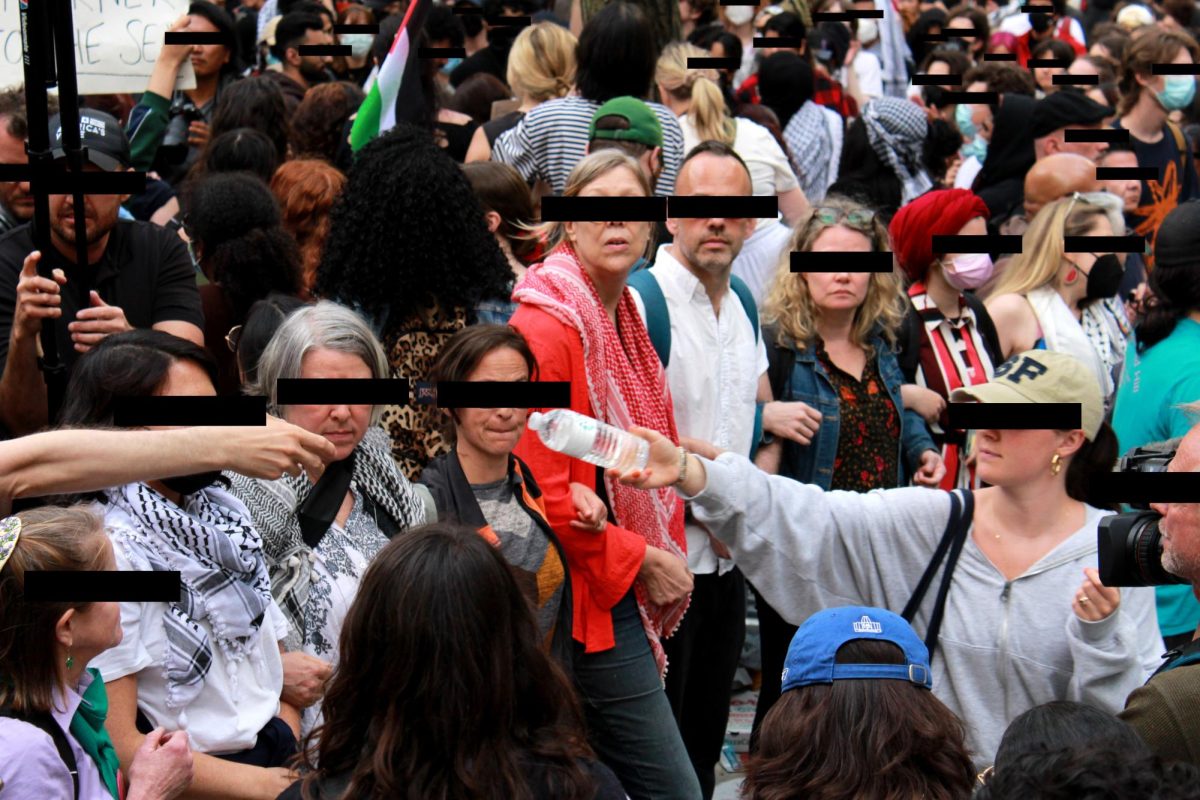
[[1154, 384]]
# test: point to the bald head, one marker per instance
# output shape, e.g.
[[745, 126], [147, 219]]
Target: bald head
[[1057, 176]]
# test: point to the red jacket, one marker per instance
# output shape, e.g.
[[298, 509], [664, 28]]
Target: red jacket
[[603, 566]]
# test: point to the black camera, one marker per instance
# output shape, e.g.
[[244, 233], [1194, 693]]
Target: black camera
[[1130, 545]]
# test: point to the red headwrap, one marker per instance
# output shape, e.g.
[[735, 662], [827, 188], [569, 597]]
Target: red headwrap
[[940, 213]]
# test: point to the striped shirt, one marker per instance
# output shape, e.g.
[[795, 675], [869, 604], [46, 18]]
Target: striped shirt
[[552, 138]]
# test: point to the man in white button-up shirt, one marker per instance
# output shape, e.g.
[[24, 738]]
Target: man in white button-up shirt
[[714, 368]]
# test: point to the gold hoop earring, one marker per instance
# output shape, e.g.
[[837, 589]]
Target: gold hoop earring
[[1055, 464]]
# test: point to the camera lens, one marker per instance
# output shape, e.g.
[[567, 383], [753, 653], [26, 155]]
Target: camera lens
[[1130, 551]]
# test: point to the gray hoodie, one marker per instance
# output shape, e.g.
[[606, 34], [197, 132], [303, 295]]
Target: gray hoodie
[[1004, 646]]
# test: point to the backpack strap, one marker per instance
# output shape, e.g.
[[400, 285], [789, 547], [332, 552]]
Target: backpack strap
[[1182, 145], [742, 291], [46, 723], [658, 322], [950, 546]]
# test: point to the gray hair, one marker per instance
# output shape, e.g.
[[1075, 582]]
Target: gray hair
[[322, 325]]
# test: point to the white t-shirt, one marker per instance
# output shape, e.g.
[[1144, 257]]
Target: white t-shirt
[[869, 71], [713, 373], [770, 171], [237, 699]]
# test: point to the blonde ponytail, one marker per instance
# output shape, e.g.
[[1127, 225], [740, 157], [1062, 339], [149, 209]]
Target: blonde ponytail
[[709, 114]]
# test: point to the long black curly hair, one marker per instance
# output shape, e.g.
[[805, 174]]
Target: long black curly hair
[[406, 229], [236, 225]]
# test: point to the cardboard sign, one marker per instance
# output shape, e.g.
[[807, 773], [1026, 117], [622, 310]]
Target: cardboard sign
[[116, 43]]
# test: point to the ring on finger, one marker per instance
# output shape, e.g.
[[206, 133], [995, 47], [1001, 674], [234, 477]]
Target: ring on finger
[[1083, 600]]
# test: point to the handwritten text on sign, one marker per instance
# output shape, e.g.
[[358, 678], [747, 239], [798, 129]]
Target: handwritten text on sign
[[116, 43]]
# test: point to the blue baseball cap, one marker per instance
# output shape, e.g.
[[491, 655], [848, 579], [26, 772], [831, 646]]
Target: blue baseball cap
[[813, 651]]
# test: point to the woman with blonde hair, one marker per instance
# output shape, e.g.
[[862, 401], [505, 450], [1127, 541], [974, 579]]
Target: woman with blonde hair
[[1050, 299], [830, 340], [631, 586], [695, 97], [541, 67]]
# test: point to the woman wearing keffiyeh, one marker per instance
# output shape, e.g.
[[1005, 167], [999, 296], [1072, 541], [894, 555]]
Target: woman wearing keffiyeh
[[211, 663], [631, 586]]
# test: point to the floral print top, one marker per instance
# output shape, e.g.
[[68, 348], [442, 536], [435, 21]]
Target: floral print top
[[868, 445]]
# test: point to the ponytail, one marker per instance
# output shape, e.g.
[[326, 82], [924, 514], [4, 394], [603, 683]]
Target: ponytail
[[709, 113]]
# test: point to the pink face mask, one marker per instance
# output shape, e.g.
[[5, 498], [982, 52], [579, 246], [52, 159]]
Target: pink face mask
[[969, 271]]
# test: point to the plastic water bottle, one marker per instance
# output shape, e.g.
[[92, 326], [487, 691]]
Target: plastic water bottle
[[595, 442]]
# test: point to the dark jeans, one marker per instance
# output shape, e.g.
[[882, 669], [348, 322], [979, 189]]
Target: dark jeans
[[703, 656], [629, 720], [775, 634]]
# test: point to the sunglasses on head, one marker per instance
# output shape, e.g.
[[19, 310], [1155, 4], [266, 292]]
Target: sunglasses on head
[[829, 215]]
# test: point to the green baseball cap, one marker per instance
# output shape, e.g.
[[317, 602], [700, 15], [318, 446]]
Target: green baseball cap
[[644, 127]]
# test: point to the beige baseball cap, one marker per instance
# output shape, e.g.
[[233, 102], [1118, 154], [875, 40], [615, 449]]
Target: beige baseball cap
[[1042, 376]]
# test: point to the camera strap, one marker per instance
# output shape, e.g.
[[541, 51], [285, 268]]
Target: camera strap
[[962, 511], [1185, 656]]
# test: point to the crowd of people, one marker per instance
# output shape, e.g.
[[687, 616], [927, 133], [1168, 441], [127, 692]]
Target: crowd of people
[[386, 595]]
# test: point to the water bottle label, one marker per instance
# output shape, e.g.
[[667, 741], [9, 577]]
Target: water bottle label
[[582, 436]]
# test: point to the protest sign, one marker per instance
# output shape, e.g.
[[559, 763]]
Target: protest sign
[[116, 43]]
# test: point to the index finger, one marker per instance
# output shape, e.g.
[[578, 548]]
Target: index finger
[[29, 266]]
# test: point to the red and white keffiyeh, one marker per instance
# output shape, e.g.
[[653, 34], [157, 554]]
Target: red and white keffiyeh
[[626, 386]]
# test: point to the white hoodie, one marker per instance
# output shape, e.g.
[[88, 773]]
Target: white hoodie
[[1004, 646]]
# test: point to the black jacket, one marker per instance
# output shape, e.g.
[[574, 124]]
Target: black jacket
[[455, 501]]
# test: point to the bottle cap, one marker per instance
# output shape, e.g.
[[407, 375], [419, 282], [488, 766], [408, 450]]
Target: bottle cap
[[536, 421]]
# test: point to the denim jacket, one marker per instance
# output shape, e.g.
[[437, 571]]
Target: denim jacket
[[809, 382]]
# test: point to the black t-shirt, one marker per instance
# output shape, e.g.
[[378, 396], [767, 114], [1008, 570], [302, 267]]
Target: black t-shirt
[[145, 270], [1178, 182]]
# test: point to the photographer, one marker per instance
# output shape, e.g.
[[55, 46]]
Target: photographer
[[1163, 711], [168, 128]]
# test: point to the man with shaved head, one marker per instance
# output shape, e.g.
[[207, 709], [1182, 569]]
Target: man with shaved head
[[1057, 176]]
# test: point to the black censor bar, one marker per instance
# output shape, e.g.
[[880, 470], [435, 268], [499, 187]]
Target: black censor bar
[[1175, 69], [441, 52], [102, 586], [846, 16], [1110, 135], [841, 261], [64, 182], [1015, 416], [341, 391], [603, 209], [138, 412], [193, 37], [1149, 487], [1127, 173], [723, 206], [999, 56], [1075, 80], [793, 42], [1104, 244], [503, 394], [978, 98], [976, 244], [924, 79], [711, 63], [324, 49]]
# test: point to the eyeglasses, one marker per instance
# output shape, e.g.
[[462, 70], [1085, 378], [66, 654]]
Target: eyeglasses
[[830, 215], [233, 337]]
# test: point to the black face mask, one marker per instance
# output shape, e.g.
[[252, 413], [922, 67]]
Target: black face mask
[[934, 95], [190, 484], [1104, 279], [1040, 22]]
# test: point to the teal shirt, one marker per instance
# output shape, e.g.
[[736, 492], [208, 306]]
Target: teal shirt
[[1153, 386]]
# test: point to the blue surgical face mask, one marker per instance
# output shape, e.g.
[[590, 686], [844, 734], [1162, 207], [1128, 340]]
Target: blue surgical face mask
[[977, 147], [1178, 92], [451, 65], [962, 118], [360, 43]]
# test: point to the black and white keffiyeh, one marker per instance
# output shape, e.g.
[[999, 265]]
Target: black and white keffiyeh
[[897, 130], [213, 544]]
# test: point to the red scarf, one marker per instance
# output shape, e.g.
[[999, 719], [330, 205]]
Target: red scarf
[[626, 386]]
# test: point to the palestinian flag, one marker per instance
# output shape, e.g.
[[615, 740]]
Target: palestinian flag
[[399, 75]]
